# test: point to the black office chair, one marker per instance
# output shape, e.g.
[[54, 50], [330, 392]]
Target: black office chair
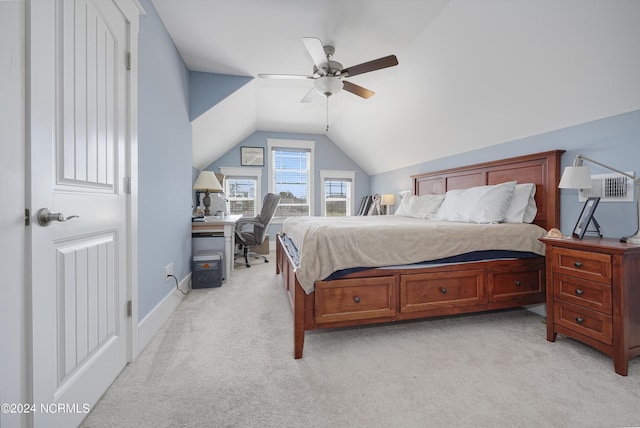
[[253, 230]]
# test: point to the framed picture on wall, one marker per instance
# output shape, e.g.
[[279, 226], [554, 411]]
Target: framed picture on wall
[[252, 156]]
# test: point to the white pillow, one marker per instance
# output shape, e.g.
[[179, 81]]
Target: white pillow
[[523, 204], [425, 206], [481, 204]]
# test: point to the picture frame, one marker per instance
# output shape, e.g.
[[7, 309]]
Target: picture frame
[[252, 156], [586, 216]]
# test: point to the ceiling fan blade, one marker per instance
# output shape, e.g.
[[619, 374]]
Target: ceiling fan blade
[[311, 95], [284, 76], [357, 89], [316, 50], [376, 64]]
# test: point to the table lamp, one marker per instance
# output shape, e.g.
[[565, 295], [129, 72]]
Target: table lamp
[[387, 201], [208, 183], [579, 177]]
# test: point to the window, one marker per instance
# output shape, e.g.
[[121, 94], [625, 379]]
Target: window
[[291, 176], [242, 189], [337, 193]]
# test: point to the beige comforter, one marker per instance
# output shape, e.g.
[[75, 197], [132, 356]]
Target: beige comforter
[[328, 244]]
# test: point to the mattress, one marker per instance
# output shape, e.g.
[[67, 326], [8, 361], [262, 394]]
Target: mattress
[[325, 245]]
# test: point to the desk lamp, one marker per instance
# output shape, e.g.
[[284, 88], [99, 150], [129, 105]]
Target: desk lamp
[[579, 177], [207, 182]]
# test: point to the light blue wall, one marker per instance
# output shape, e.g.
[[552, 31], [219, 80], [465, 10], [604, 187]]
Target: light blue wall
[[614, 141], [164, 165], [326, 156], [208, 89]]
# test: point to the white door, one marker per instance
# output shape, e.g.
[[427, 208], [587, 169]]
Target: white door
[[77, 102]]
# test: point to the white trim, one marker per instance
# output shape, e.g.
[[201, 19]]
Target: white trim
[[292, 144], [151, 324], [330, 173], [132, 10], [234, 171], [241, 171]]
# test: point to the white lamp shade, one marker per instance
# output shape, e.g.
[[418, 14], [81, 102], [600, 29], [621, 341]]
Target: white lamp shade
[[388, 199], [207, 181], [576, 177]]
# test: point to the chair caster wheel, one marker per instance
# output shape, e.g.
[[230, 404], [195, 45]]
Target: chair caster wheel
[[266, 261], [248, 265]]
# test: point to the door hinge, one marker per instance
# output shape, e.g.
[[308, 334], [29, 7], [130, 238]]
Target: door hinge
[[128, 61], [129, 308], [27, 217], [127, 185]]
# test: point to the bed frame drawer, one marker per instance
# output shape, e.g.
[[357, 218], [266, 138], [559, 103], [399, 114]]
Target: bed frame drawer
[[342, 300], [514, 283], [438, 290]]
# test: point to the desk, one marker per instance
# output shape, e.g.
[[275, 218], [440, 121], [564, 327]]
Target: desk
[[220, 225]]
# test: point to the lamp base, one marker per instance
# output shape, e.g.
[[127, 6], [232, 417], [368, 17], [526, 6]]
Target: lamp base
[[634, 239], [207, 203]]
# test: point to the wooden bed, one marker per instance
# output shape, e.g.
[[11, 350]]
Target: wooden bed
[[379, 296]]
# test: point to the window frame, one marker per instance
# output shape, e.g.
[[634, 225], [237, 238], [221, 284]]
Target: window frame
[[302, 145], [246, 172], [337, 175]]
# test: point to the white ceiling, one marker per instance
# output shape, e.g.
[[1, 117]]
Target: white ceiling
[[471, 73]]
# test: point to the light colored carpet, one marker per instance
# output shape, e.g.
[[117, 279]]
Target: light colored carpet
[[224, 359]]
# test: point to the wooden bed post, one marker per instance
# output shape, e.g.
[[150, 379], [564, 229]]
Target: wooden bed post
[[298, 320]]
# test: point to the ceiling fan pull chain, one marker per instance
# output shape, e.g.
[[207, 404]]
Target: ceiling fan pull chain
[[327, 130]]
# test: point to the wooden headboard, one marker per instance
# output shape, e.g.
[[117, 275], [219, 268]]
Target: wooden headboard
[[543, 169]]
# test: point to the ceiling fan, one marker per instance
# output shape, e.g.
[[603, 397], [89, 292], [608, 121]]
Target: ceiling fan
[[328, 75]]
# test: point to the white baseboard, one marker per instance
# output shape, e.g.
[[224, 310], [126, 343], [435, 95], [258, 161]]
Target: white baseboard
[[151, 324]]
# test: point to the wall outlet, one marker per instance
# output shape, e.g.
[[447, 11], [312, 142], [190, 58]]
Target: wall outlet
[[168, 271]]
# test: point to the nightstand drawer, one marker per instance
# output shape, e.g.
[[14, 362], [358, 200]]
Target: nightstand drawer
[[589, 294], [584, 321], [582, 264]]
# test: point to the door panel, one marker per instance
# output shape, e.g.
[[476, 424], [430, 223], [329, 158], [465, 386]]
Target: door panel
[[86, 301], [79, 103]]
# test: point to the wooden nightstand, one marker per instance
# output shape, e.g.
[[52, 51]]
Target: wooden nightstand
[[593, 295]]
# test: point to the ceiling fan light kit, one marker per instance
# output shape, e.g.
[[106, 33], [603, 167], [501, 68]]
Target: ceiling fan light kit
[[328, 75], [328, 85]]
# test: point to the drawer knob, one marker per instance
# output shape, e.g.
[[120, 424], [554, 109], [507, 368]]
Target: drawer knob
[[443, 290], [579, 320], [356, 299], [518, 283], [577, 264], [579, 292]]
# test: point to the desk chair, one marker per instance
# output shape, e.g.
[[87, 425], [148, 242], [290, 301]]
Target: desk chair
[[253, 230]]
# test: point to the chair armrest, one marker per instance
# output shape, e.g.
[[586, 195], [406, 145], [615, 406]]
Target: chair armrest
[[254, 221]]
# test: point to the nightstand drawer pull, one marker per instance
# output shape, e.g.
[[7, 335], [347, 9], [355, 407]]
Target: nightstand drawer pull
[[577, 264], [518, 283], [579, 292], [443, 290], [579, 320], [356, 299]]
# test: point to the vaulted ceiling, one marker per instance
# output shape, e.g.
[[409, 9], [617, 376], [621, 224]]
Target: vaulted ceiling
[[471, 73]]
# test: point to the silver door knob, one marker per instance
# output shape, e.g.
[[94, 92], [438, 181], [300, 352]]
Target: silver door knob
[[45, 217]]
